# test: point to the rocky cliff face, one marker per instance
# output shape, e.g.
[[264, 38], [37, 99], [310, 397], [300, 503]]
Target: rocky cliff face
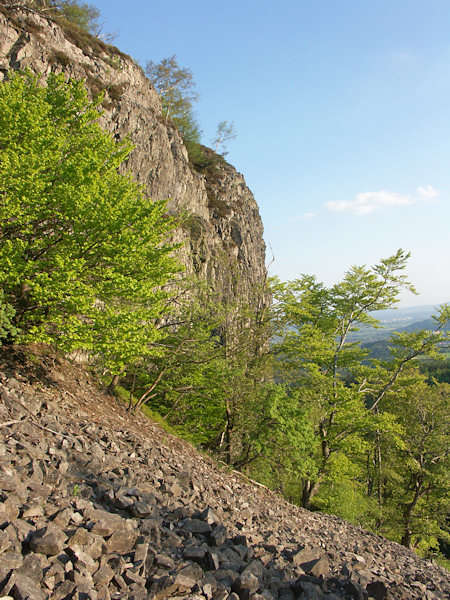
[[223, 230]]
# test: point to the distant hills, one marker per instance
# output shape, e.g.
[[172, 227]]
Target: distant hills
[[394, 320]]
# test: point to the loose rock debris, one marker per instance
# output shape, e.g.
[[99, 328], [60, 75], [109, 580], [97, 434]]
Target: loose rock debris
[[98, 504]]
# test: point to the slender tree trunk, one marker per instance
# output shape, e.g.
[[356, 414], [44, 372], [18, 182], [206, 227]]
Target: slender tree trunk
[[378, 461], [228, 433], [114, 383], [408, 512], [309, 490], [133, 386]]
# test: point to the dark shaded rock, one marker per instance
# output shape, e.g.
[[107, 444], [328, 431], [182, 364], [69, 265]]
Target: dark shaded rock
[[355, 591], [218, 535], [49, 541], [377, 590], [196, 526], [195, 552]]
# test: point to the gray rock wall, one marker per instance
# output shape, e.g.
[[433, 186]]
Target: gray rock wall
[[215, 240]]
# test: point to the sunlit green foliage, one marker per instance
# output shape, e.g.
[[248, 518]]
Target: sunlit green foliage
[[417, 474], [83, 252]]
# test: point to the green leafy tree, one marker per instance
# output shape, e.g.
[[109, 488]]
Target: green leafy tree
[[83, 253], [212, 380], [317, 358], [417, 485]]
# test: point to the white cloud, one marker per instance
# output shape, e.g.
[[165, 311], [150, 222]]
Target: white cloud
[[428, 193], [368, 202]]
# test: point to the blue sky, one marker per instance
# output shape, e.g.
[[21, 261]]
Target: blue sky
[[342, 110]]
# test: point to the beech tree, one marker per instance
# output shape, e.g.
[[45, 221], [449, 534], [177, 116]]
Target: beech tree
[[84, 255], [318, 359], [416, 471]]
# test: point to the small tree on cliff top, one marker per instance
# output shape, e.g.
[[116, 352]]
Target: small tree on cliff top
[[83, 252], [82, 14], [176, 88]]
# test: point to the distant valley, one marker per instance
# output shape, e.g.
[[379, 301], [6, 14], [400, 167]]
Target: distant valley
[[394, 320]]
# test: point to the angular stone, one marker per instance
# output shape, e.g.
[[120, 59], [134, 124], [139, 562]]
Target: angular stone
[[142, 510], [192, 571], [122, 502], [218, 535], [62, 518], [317, 568], [140, 556], [171, 585], [131, 578], [247, 581], [33, 567], [49, 541], [64, 590], [5, 542], [23, 530], [209, 516], [121, 542], [82, 560], [26, 589], [195, 552], [175, 489], [105, 526], [255, 567], [196, 526], [103, 576], [11, 560], [306, 555], [355, 591], [33, 511], [165, 561]]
